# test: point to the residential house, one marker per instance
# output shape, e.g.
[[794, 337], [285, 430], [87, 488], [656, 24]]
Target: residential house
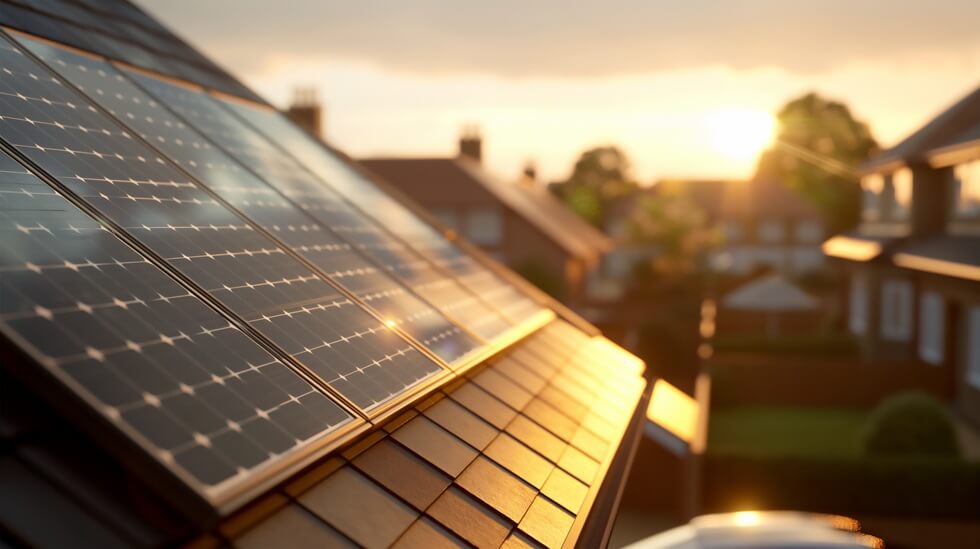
[[914, 262], [519, 223], [761, 223]]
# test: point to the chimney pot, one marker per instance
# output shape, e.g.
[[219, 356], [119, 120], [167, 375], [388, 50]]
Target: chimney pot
[[470, 143]]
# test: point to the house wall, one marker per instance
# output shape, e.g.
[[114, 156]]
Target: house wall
[[745, 248], [960, 296], [876, 341]]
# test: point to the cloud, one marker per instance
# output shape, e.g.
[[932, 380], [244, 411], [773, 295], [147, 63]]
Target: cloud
[[574, 38]]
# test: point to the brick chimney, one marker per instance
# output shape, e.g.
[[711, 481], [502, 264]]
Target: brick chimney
[[305, 110], [471, 144], [529, 176]]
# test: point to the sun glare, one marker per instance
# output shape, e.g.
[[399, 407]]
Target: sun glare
[[740, 134]]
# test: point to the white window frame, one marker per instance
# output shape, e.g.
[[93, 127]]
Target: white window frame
[[932, 328], [858, 304], [484, 226], [447, 217], [972, 318], [732, 231], [808, 231], [897, 304], [771, 231]]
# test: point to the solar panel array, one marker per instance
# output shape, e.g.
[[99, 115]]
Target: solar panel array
[[235, 298], [370, 199], [327, 207], [199, 395], [205, 241], [212, 167]]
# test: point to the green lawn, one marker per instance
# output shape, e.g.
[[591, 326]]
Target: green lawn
[[792, 432]]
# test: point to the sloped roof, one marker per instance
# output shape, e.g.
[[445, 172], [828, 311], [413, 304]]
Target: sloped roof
[[228, 355], [516, 451], [771, 293], [964, 147], [759, 197], [944, 129], [957, 256], [535, 204]]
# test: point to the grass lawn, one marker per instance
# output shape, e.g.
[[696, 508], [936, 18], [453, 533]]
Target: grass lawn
[[791, 432]]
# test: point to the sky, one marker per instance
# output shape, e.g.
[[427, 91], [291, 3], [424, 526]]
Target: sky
[[685, 88]]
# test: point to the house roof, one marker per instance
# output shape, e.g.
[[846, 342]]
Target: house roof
[[247, 341], [532, 202], [864, 245], [944, 129], [956, 256], [769, 293], [963, 148], [726, 199]]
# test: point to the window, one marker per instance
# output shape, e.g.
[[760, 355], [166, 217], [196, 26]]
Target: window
[[973, 346], [771, 230], [446, 217], [808, 232], [872, 187], [902, 194], [484, 227], [858, 310], [896, 310], [966, 191], [932, 327], [732, 231]]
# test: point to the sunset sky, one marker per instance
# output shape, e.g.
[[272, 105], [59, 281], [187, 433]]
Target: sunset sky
[[687, 88]]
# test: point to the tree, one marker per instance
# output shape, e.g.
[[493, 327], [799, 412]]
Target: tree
[[819, 143], [676, 226], [600, 175]]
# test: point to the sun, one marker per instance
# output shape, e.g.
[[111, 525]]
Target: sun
[[740, 134]]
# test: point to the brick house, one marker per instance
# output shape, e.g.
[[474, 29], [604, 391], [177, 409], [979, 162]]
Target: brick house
[[519, 223], [914, 262]]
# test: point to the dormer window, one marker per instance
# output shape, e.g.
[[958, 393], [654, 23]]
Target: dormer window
[[872, 187], [966, 191], [771, 231], [901, 207]]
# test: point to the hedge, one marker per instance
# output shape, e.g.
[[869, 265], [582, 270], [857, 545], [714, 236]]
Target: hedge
[[920, 487]]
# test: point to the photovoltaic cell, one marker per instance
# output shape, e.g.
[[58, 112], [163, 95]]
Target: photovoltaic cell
[[369, 198], [195, 392], [324, 205], [256, 199], [125, 181]]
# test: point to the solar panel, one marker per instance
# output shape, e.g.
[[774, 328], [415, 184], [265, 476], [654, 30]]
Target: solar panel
[[120, 31], [196, 393], [334, 257], [239, 267], [369, 198], [325, 205]]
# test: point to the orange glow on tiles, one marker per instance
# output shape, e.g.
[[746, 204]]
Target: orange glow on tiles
[[673, 410]]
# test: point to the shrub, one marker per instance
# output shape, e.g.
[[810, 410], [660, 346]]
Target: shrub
[[910, 424]]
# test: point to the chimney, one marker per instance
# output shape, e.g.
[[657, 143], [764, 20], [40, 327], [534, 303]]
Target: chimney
[[305, 110], [529, 177], [471, 144]]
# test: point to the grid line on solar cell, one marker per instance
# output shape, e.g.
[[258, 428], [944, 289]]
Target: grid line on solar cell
[[238, 186], [184, 382], [170, 216], [282, 172], [371, 200]]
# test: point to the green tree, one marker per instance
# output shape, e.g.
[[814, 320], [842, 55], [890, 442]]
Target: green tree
[[600, 175], [819, 145], [676, 226]]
